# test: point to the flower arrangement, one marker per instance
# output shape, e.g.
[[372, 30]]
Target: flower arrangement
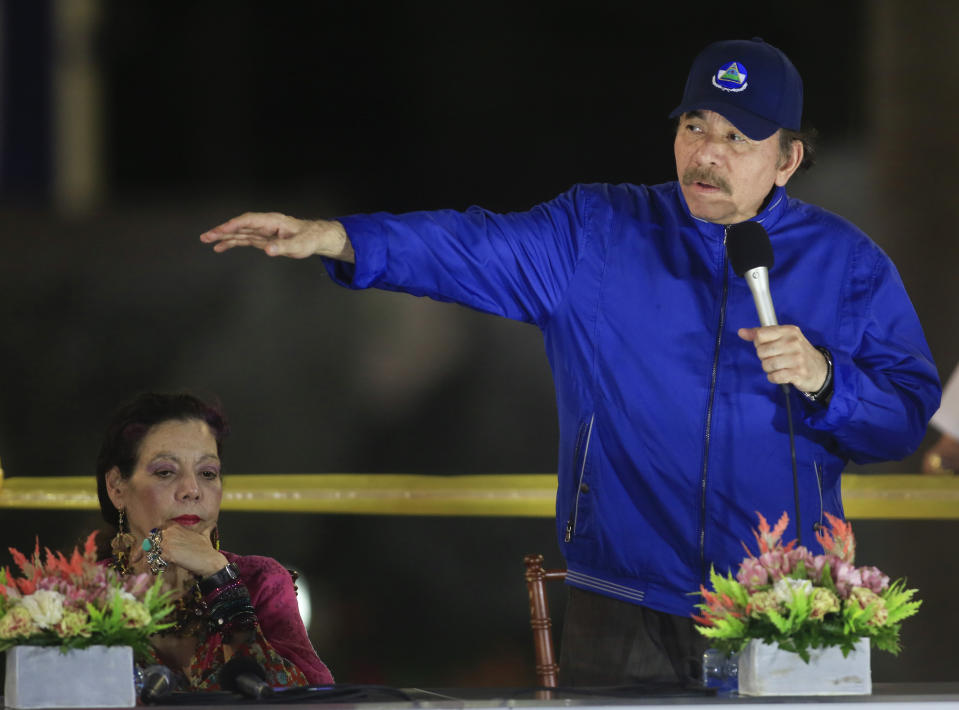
[[75, 603], [790, 597]]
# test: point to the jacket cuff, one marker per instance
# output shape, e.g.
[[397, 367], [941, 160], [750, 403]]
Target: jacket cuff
[[370, 247], [844, 400]]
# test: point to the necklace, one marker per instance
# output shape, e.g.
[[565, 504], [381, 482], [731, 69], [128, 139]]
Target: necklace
[[188, 617]]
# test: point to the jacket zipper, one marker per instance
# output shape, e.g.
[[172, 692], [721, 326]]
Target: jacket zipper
[[709, 413], [571, 523], [817, 467]]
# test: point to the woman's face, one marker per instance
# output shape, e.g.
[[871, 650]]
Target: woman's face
[[176, 480]]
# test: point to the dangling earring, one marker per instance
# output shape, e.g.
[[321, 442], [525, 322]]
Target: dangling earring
[[121, 544], [215, 538]]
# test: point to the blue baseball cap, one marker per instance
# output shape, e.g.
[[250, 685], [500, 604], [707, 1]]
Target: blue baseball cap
[[752, 84]]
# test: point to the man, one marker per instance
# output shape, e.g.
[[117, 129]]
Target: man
[[943, 456], [670, 437]]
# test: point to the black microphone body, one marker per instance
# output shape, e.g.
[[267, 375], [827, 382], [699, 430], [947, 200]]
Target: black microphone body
[[751, 256], [158, 682], [243, 675]]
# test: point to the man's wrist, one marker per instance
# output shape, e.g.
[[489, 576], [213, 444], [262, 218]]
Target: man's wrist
[[822, 395], [335, 243]]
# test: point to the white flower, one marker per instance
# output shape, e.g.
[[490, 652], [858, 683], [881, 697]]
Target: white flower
[[124, 595], [45, 607], [786, 587]]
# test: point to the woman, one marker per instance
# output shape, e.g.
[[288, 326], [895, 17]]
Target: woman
[[160, 486]]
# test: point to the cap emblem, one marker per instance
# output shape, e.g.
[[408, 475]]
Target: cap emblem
[[730, 77]]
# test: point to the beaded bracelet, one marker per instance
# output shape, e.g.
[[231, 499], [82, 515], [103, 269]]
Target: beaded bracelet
[[230, 609], [211, 598]]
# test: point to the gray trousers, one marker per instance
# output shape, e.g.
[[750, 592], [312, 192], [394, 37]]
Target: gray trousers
[[608, 642]]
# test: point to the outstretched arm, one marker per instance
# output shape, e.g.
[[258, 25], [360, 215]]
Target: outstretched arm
[[516, 265], [280, 235]]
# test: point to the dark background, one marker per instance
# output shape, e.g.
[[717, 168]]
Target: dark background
[[204, 110]]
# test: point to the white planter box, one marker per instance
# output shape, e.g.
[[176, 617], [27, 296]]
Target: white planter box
[[43, 677], [767, 670]]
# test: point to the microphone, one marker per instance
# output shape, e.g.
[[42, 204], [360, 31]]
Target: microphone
[[751, 256], [243, 675], [158, 682]]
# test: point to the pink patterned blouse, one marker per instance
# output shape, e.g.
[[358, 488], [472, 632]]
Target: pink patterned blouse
[[281, 644]]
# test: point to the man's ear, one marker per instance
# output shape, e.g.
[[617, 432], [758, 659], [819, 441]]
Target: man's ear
[[115, 487], [790, 164]]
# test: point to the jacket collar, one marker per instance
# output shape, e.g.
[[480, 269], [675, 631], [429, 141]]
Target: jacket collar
[[768, 216]]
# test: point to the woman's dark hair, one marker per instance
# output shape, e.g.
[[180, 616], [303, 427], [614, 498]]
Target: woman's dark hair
[[130, 424]]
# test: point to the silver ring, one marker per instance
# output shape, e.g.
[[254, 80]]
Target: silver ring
[[154, 551]]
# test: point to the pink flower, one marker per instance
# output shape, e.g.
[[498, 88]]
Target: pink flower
[[816, 568], [775, 563], [139, 584], [819, 563], [752, 574], [846, 577], [800, 554], [873, 579]]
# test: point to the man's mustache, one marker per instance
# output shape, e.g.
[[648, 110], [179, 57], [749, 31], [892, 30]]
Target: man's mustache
[[700, 174]]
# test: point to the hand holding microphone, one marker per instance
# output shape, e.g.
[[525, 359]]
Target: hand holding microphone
[[786, 355]]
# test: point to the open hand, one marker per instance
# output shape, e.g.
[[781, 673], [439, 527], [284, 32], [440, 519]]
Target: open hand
[[280, 235]]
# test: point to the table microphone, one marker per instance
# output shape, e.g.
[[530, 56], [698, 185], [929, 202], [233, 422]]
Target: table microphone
[[158, 682], [243, 675]]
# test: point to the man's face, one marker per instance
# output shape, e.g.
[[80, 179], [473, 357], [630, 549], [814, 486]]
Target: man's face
[[725, 176]]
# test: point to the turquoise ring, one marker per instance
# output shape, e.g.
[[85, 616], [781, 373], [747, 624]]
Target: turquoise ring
[[151, 545]]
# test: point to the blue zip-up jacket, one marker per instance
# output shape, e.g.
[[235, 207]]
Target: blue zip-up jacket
[[671, 437]]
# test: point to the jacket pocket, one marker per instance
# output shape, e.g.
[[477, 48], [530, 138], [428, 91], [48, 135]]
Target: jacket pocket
[[575, 522], [817, 469]]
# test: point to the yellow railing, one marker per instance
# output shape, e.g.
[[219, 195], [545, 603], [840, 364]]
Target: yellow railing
[[518, 495]]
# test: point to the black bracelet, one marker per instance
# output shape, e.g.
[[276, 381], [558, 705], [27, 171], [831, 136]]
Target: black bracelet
[[232, 611], [821, 396], [225, 576]]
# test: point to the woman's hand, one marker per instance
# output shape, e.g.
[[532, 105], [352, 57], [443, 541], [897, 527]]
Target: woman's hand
[[191, 549], [187, 548]]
